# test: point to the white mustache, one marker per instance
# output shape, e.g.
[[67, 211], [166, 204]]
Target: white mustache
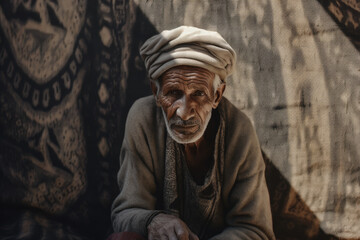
[[179, 122]]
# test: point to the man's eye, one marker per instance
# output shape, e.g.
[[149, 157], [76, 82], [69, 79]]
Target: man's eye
[[199, 93]]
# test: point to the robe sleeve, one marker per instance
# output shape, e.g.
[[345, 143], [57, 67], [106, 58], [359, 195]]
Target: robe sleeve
[[248, 216], [247, 204], [134, 207]]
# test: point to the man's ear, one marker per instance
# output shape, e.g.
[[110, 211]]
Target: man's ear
[[218, 94], [153, 87], [154, 90]]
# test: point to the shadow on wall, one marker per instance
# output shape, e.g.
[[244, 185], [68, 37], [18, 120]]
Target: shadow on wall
[[292, 218], [347, 15]]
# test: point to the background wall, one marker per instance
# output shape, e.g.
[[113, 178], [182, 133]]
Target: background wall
[[297, 77], [70, 70]]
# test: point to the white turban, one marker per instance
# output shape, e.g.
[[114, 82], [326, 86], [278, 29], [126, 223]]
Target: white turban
[[188, 46]]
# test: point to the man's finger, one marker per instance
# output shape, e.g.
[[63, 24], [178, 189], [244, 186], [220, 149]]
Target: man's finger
[[182, 234], [182, 231], [171, 235]]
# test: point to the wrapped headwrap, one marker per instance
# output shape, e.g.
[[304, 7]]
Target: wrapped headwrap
[[189, 46]]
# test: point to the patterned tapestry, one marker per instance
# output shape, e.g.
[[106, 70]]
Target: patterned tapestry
[[347, 14], [64, 69]]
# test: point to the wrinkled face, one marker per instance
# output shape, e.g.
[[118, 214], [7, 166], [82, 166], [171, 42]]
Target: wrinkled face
[[187, 98]]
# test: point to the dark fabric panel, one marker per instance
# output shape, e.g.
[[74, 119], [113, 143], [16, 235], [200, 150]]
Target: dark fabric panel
[[347, 16]]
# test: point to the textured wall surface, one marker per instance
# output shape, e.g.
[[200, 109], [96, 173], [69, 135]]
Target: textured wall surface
[[298, 78]]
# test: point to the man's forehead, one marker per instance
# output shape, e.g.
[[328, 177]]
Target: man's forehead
[[188, 72]]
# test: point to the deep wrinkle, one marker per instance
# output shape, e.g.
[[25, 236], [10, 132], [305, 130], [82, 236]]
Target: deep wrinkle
[[181, 84]]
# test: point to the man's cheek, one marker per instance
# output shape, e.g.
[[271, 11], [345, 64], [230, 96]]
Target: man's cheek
[[204, 108], [203, 114]]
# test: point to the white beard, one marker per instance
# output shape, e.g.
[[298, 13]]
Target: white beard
[[194, 138]]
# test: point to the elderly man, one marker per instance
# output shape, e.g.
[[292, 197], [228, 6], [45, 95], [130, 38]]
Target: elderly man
[[190, 164]]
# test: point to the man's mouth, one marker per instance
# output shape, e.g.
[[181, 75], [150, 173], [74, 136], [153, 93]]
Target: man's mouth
[[185, 129]]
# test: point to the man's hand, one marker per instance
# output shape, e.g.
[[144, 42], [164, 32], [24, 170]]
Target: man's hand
[[168, 227]]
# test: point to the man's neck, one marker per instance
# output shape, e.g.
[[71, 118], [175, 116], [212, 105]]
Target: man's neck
[[199, 155], [193, 147]]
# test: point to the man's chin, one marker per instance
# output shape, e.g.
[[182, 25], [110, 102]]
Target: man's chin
[[184, 138]]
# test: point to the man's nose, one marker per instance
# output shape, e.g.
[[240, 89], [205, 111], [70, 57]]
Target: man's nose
[[185, 109]]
